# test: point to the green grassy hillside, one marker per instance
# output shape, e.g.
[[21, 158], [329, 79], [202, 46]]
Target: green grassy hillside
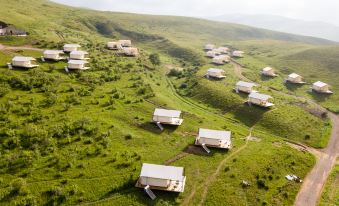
[[80, 138], [314, 63], [330, 195]]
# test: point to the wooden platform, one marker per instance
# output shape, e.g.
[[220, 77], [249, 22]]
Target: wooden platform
[[174, 186], [221, 146], [176, 122]]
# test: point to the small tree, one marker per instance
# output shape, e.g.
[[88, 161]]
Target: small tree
[[155, 59]]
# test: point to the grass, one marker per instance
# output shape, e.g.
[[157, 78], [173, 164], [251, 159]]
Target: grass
[[81, 138], [268, 185], [330, 195], [313, 63]]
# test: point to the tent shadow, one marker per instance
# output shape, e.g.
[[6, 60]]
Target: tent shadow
[[292, 87], [319, 97], [265, 78], [151, 127], [198, 150], [137, 194]]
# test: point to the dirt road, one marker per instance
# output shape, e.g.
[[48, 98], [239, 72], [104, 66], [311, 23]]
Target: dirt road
[[314, 182], [27, 47]]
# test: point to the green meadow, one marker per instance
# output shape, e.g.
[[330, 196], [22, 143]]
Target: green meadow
[[81, 137]]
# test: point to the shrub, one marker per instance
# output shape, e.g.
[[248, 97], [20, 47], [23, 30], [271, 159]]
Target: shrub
[[154, 59], [18, 186], [175, 73], [128, 137]]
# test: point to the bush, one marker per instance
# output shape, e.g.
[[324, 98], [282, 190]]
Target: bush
[[18, 186], [174, 73], [128, 137], [154, 59]]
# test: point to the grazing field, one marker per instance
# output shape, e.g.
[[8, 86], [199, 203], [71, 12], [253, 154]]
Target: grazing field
[[330, 195], [81, 137], [313, 63]]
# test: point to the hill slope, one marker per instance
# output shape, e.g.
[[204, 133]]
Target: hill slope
[[80, 138], [283, 24]]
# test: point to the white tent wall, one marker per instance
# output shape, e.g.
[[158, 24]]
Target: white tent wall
[[208, 141], [154, 182], [162, 119], [244, 89]]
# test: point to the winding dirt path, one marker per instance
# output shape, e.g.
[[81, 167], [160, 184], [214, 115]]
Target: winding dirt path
[[314, 182], [27, 47], [212, 178]]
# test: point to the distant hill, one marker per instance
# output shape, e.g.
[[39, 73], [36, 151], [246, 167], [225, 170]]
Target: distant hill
[[283, 24]]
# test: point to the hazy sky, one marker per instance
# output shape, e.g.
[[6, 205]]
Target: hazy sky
[[318, 10]]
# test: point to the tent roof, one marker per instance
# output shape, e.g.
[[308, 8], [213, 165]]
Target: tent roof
[[222, 57], [267, 69], [320, 84], [130, 48], [72, 45], [245, 84], [53, 52], [256, 95], [162, 172], [294, 75], [79, 52], [73, 61], [167, 113], [215, 134], [21, 58]]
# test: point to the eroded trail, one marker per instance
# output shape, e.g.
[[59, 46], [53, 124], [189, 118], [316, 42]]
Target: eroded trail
[[213, 177], [315, 181], [2, 47]]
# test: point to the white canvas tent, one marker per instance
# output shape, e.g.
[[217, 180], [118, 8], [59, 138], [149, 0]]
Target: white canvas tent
[[71, 47], [221, 60], [164, 116], [79, 55], [209, 47], [211, 54], [246, 87], [214, 138], [295, 79], [223, 50], [131, 51], [260, 99], [125, 43], [23, 62], [268, 71], [238, 54], [321, 87], [114, 45], [215, 73], [160, 177], [53, 55], [77, 64]]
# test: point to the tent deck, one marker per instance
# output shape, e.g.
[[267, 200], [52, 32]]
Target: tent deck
[[174, 186], [221, 146], [175, 121]]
